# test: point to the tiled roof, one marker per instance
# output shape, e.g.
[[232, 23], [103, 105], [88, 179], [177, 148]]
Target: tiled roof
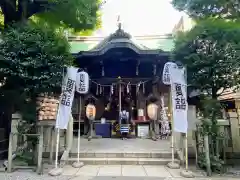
[[164, 43]]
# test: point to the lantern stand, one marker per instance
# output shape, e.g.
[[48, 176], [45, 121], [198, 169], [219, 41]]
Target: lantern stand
[[79, 164], [92, 133], [81, 91], [152, 109]]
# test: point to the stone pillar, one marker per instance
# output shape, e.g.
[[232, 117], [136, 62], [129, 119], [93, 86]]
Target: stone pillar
[[16, 118], [235, 129]]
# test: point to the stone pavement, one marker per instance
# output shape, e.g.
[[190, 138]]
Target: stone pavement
[[106, 172]]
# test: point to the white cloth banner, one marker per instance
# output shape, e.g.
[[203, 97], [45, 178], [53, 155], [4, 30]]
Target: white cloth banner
[[66, 99], [179, 99], [166, 72]]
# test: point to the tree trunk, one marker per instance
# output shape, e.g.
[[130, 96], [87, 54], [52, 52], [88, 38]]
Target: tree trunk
[[14, 12], [9, 11]]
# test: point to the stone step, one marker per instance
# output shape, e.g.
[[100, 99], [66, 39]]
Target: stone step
[[122, 155], [122, 161]]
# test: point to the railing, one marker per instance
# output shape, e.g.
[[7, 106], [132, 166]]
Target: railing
[[212, 154], [23, 147]]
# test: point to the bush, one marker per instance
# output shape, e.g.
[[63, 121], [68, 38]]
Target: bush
[[32, 58]]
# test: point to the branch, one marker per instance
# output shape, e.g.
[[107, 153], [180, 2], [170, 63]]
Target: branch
[[39, 6]]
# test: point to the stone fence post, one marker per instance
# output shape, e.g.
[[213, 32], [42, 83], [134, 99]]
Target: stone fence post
[[16, 118], [235, 131]]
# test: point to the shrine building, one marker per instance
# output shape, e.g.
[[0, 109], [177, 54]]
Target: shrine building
[[123, 74]]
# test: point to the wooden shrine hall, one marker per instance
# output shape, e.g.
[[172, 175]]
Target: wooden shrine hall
[[123, 74]]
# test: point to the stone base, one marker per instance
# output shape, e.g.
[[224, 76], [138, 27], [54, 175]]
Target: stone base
[[173, 165], [3, 169], [186, 174], [55, 172], [94, 137], [78, 164]]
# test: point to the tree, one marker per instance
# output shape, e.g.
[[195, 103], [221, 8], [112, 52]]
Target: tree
[[76, 14], [211, 53], [32, 58], [228, 9]]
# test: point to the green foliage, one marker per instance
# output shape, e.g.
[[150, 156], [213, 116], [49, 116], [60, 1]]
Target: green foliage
[[210, 51], [201, 9], [207, 127], [76, 15], [216, 163], [208, 106], [32, 58]]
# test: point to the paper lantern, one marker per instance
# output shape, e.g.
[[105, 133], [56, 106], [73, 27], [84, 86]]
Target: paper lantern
[[90, 111], [152, 110], [82, 82]]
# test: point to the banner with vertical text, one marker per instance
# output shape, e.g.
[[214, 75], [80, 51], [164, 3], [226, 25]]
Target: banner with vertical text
[[179, 99], [66, 99]]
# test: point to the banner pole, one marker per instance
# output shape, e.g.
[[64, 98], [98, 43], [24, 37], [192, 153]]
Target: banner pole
[[57, 171], [79, 126], [186, 173], [186, 152], [172, 164], [172, 124], [57, 148], [79, 164]]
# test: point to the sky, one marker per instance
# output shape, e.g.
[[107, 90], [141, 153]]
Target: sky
[[139, 17]]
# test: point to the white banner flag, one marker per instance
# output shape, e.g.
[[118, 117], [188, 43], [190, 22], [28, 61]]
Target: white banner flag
[[166, 72], [82, 82], [179, 99], [66, 99]]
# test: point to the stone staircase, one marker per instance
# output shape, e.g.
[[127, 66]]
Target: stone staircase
[[122, 158]]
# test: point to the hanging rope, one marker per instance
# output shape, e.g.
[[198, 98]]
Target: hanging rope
[[129, 84]]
